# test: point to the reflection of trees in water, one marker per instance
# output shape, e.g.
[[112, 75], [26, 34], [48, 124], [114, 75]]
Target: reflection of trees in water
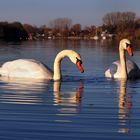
[[124, 104]]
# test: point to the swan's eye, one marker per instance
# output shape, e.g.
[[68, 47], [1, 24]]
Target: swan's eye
[[128, 45], [78, 60]]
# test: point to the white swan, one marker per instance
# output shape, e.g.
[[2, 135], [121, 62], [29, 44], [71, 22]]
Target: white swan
[[30, 68], [123, 68]]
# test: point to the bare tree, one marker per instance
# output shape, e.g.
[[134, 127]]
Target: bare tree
[[76, 29], [118, 18], [120, 23], [61, 26], [61, 23]]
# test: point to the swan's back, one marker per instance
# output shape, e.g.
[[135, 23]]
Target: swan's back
[[27, 68], [114, 70]]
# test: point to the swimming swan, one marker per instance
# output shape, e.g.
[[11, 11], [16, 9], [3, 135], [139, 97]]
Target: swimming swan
[[124, 68], [30, 68]]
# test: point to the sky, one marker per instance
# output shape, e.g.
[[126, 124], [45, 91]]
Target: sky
[[84, 12]]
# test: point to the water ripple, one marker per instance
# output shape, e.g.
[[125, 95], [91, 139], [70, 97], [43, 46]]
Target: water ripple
[[85, 109]]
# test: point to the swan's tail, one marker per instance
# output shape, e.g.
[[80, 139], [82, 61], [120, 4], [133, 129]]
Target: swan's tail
[[2, 72]]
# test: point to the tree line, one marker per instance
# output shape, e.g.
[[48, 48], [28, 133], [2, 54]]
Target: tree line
[[121, 24], [117, 24], [12, 31]]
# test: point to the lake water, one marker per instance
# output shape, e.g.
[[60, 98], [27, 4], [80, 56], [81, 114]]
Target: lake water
[[84, 106]]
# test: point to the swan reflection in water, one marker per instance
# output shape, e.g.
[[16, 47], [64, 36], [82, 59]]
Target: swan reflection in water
[[29, 91], [69, 99], [21, 91], [125, 105]]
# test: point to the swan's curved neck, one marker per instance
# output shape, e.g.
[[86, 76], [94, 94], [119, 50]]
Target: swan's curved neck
[[123, 63], [57, 64]]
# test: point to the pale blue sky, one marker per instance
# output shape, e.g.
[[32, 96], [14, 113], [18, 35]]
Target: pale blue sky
[[85, 12]]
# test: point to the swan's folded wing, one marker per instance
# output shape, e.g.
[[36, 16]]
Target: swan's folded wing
[[132, 69], [113, 69], [27, 68]]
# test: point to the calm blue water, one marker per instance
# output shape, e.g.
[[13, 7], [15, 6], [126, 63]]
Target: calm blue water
[[81, 107]]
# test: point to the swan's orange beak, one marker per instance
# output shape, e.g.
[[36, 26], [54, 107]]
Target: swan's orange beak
[[129, 51], [79, 66]]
